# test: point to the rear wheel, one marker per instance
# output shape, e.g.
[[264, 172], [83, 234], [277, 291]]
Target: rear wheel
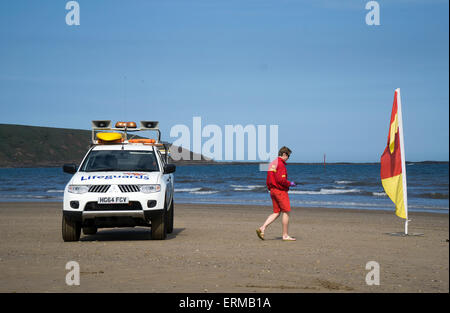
[[159, 225], [170, 219], [89, 230], [71, 231]]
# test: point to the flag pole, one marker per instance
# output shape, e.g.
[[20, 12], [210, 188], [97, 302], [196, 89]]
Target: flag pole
[[402, 152]]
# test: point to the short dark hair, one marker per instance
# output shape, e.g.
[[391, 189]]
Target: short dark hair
[[284, 150]]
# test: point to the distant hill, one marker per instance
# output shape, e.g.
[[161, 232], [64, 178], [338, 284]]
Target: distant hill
[[33, 146]]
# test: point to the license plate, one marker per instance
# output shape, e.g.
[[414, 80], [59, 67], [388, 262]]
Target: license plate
[[112, 200]]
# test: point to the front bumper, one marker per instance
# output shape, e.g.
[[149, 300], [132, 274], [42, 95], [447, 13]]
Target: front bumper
[[80, 216], [141, 206]]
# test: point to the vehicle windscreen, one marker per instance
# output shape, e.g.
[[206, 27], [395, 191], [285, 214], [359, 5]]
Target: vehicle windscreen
[[120, 160]]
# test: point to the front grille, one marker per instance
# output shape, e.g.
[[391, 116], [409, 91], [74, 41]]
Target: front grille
[[129, 188], [99, 188], [131, 206]]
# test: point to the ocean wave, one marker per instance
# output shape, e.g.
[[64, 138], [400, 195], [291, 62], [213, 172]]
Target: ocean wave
[[6, 196], [357, 183], [379, 194], [204, 192], [434, 195], [343, 182], [9, 189], [324, 191], [248, 187], [349, 204], [187, 189], [55, 190], [334, 203], [197, 190], [186, 180]]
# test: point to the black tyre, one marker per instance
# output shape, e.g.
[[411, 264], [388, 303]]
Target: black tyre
[[159, 226], [71, 231], [170, 219], [89, 230]]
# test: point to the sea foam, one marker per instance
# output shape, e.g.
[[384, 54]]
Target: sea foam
[[324, 191]]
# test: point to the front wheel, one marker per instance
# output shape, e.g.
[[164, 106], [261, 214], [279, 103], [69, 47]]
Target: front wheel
[[71, 231], [159, 226]]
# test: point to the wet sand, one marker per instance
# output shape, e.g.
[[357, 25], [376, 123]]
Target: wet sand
[[214, 248]]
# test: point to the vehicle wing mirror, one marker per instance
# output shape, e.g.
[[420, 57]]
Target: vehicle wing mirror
[[70, 168], [169, 168]]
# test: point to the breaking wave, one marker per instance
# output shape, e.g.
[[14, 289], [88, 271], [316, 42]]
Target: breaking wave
[[205, 192], [248, 187], [187, 189], [324, 191], [197, 190], [343, 182]]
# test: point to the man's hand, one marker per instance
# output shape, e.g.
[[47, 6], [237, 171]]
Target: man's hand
[[293, 184]]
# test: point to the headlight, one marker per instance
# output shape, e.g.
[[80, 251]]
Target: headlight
[[78, 189], [150, 188]]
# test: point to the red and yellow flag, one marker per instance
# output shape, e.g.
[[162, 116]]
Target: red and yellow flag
[[391, 163]]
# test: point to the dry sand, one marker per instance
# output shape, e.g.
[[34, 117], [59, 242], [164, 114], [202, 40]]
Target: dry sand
[[214, 248]]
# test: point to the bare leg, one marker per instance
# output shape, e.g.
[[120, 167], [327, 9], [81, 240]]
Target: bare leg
[[285, 222], [272, 217]]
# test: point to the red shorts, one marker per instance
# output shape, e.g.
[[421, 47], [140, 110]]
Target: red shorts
[[280, 200]]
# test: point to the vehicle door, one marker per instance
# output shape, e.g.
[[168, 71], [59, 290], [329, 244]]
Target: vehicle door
[[168, 179]]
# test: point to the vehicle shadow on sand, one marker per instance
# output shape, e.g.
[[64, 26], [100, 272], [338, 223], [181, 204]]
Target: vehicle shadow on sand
[[126, 234]]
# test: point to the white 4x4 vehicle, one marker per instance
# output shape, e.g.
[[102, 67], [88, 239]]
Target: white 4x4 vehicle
[[121, 182]]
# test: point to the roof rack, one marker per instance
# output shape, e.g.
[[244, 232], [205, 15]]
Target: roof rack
[[125, 127]]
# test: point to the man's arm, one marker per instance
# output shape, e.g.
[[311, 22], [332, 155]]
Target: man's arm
[[281, 177]]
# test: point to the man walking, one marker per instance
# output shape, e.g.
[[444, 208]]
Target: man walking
[[278, 186]]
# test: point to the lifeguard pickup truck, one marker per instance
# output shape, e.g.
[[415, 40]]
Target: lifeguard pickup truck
[[123, 181]]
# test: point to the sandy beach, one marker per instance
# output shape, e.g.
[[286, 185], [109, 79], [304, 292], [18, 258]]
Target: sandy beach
[[214, 248]]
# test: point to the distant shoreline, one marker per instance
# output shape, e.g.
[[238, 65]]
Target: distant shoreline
[[302, 163], [52, 147]]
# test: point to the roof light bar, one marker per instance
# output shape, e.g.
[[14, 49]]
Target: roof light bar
[[125, 125]]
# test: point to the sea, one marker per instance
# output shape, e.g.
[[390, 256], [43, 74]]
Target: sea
[[350, 186]]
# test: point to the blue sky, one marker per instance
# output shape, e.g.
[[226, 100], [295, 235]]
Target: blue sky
[[312, 67]]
